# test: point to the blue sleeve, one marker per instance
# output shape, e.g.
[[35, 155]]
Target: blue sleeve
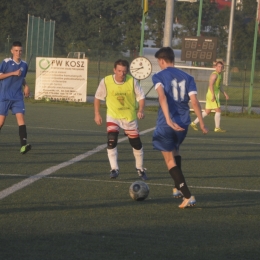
[[192, 85], [2, 66], [156, 79]]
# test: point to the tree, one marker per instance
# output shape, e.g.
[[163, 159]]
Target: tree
[[155, 21], [13, 22], [243, 33]]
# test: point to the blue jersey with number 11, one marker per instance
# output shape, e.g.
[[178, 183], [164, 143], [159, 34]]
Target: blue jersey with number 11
[[178, 85]]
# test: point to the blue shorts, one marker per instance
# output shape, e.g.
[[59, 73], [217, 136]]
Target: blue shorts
[[16, 106], [167, 139]]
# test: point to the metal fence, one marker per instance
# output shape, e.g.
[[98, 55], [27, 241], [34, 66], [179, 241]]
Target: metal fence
[[101, 64], [39, 39]]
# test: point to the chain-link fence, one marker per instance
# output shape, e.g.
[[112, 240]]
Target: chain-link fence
[[101, 62], [39, 39]]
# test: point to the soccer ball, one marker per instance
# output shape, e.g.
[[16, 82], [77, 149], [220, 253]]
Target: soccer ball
[[139, 190]]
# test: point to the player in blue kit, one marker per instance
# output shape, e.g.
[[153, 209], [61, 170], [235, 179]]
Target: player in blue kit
[[13, 88], [175, 89]]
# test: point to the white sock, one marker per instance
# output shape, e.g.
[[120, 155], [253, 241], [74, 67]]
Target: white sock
[[112, 156], [196, 121], [217, 119], [139, 158]]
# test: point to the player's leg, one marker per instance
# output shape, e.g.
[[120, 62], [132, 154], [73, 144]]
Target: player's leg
[[179, 180], [168, 141], [22, 133], [217, 119], [4, 107], [138, 152], [131, 130], [176, 192], [18, 110], [2, 121], [112, 138], [196, 121], [176, 173], [208, 106]]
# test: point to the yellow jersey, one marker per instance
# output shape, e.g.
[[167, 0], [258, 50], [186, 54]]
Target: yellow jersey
[[216, 88], [120, 99]]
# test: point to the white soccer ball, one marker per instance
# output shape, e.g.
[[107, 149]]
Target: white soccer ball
[[139, 190]]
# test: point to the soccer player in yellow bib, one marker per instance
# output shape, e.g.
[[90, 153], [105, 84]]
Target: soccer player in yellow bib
[[121, 92], [212, 98]]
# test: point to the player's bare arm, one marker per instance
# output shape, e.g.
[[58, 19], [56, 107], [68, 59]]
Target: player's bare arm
[[26, 89], [224, 92], [212, 80], [140, 113], [97, 118], [165, 109], [197, 109], [10, 74]]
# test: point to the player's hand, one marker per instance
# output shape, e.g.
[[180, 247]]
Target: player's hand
[[26, 91], [98, 119], [204, 129], [175, 126], [213, 99], [17, 73], [140, 115], [226, 96]]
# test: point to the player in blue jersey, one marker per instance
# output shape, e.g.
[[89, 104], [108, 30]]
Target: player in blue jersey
[[13, 88], [175, 89]]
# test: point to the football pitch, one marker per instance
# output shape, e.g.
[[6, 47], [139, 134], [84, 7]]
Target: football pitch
[[57, 201]]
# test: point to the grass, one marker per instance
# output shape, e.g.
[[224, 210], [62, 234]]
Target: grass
[[77, 212]]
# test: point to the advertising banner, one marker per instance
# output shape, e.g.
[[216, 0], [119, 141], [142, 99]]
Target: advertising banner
[[61, 79]]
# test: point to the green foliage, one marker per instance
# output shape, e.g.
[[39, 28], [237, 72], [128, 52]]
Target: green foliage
[[115, 25], [243, 33], [80, 25], [155, 21]]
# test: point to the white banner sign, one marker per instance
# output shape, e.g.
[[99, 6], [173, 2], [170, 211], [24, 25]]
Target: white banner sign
[[61, 79]]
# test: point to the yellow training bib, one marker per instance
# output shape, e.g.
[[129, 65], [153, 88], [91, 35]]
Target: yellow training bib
[[120, 99]]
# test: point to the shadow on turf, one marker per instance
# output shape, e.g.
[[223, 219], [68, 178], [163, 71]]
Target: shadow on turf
[[206, 201]]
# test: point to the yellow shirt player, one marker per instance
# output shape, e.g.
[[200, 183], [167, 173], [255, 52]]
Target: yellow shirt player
[[121, 93], [212, 98], [120, 99], [210, 103]]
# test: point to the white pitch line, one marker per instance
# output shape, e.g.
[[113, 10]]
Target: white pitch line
[[59, 129], [32, 179], [129, 182], [22, 184], [155, 184], [189, 138], [220, 140]]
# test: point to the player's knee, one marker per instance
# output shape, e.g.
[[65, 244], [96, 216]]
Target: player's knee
[[136, 143], [112, 140]]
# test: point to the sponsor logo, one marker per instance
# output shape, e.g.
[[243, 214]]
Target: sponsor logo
[[44, 64]]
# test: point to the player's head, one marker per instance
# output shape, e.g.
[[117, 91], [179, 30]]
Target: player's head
[[16, 50], [219, 66], [123, 63], [17, 43], [121, 68], [165, 56]]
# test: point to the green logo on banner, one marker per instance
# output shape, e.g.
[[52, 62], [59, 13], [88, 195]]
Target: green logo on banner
[[44, 64]]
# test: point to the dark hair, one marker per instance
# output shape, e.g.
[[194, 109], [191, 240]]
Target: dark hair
[[165, 53], [17, 43], [123, 63]]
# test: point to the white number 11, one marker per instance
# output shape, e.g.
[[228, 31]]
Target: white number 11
[[178, 90]]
